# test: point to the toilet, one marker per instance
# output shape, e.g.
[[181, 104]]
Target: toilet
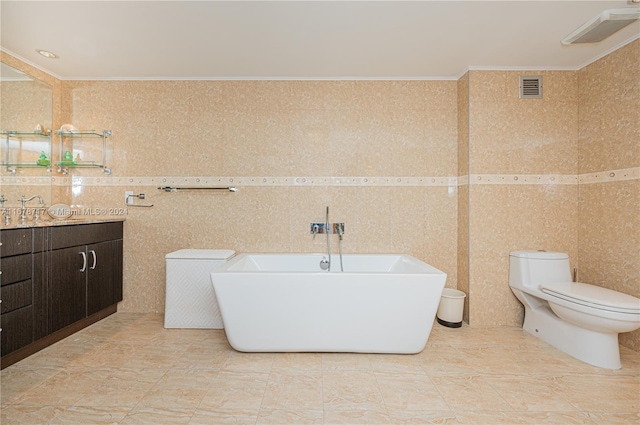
[[580, 319], [190, 301]]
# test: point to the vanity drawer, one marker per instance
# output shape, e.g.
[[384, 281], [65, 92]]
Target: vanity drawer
[[16, 295], [15, 269], [15, 241], [17, 329], [84, 234]]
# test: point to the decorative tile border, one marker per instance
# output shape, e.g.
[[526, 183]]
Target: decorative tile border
[[548, 179], [610, 176], [473, 179], [25, 181], [545, 179], [258, 181]]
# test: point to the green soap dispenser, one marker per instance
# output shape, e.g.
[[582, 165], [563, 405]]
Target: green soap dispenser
[[67, 159], [43, 160]]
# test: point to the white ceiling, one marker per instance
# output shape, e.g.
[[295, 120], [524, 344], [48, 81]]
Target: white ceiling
[[299, 40]]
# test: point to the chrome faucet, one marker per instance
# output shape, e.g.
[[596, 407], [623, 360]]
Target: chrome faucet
[[328, 229], [23, 210]]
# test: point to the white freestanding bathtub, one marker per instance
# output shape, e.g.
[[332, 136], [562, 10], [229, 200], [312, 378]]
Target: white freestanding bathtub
[[285, 303]]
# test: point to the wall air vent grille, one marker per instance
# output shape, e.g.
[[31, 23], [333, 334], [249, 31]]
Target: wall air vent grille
[[531, 87]]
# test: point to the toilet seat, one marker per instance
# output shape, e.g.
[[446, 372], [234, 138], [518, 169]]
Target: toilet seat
[[593, 296]]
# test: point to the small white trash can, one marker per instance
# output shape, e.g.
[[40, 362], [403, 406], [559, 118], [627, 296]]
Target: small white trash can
[[451, 308]]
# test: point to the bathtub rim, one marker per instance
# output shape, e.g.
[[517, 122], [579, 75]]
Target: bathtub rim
[[421, 267]]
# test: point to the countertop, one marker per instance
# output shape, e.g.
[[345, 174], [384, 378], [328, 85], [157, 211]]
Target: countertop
[[49, 222]]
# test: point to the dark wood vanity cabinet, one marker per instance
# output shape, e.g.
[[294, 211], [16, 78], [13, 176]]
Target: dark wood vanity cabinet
[[86, 271], [55, 281]]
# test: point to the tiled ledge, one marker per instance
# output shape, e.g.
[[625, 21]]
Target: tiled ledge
[[426, 181]]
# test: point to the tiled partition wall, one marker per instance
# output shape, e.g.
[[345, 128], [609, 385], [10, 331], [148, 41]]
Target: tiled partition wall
[[522, 183], [609, 194], [381, 155], [463, 191]]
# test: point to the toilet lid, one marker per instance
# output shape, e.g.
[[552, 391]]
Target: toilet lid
[[593, 296]]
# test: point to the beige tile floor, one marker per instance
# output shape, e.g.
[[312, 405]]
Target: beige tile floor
[[128, 369]]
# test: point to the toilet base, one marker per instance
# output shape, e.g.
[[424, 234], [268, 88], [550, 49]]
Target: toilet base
[[596, 348]]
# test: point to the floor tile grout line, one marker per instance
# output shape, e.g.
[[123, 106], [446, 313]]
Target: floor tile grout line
[[500, 395], [264, 393], [324, 413], [441, 394], [384, 403]]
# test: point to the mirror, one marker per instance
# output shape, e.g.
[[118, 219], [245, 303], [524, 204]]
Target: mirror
[[26, 105]]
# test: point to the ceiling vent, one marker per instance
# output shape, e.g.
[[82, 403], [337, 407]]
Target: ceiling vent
[[531, 87]]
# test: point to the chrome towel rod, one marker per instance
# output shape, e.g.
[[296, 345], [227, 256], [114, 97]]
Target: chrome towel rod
[[177, 188]]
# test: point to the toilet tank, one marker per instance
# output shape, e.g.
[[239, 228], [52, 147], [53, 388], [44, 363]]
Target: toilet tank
[[190, 300], [532, 268]]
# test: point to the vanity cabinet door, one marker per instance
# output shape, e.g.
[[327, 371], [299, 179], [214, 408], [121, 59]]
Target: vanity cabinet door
[[101, 276], [67, 287], [117, 283]]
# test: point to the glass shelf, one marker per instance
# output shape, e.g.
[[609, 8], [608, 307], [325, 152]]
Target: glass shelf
[[22, 149], [90, 164], [23, 165], [84, 133], [24, 134]]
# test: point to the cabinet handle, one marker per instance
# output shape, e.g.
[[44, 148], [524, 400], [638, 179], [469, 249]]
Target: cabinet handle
[[84, 261], [95, 260]]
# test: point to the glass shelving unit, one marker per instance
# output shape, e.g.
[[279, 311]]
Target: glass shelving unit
[[23, 149], [84, 149]]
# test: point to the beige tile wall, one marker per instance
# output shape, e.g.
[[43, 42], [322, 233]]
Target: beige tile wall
[[517, 137], [24, 105], [509, 135], [275, 129], [505, 218], [609, 212]]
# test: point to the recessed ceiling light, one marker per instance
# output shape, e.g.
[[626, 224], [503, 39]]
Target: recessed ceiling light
[[47, 54]]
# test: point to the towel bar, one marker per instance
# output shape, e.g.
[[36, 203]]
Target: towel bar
[[178, 188]]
